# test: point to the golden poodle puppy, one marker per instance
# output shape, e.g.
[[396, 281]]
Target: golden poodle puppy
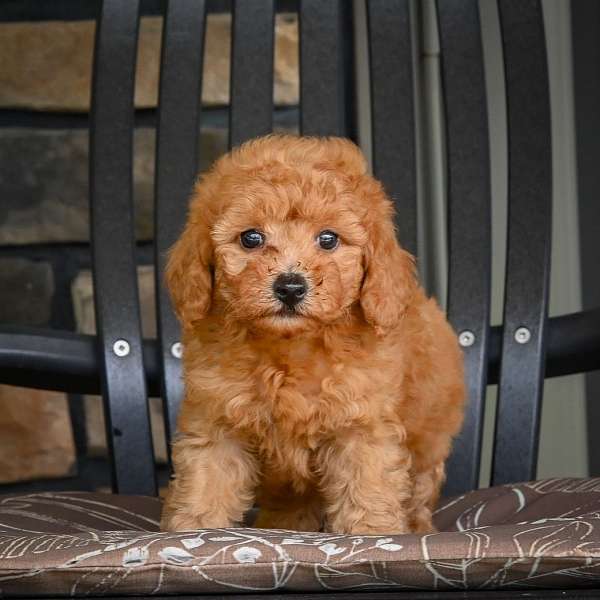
[[320, 381]]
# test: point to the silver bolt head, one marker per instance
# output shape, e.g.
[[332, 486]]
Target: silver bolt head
[[121, 348], [177, 350], [522, 335], [466, 338]]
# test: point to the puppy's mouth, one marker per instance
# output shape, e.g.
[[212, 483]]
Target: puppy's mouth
[[287, 312], [286, 315], [284, 321]]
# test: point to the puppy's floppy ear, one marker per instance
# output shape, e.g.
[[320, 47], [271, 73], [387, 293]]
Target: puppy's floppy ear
[[188, 273], [390, 280]]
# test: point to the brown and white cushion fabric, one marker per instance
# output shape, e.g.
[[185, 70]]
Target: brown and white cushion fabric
[[543, 534]]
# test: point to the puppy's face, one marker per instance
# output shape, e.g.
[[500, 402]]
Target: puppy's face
[[288, 235], [288, 256]]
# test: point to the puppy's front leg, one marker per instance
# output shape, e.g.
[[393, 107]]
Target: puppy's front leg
[[213, 485], [366, 484]]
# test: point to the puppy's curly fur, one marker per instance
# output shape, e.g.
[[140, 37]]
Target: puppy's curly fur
[[337, 416]]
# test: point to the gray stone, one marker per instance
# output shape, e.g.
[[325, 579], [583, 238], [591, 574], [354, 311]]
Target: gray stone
[[26, 290], [43, 186], [44, 182], [212, 144]]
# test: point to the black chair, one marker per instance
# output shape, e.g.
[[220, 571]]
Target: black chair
[[125, 368]]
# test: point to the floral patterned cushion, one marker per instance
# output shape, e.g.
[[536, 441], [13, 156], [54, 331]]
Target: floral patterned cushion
[[543, 534]]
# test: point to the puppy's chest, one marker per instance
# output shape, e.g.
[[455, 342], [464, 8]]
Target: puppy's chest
[[292, 428], [289, 387], [305, 396]]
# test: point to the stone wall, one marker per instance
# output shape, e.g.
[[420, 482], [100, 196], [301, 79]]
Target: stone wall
[[46, 66]]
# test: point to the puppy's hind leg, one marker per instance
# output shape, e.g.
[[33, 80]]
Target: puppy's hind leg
[[426, 493], [213, 485]]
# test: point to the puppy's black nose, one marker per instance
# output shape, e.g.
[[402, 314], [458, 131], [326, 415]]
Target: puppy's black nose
[[290, 288]]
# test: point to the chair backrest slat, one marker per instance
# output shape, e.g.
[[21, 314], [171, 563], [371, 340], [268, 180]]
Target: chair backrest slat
[[252, 47], [528, 244], [392, 110], [113, 248], [322, 68], [469, 227], [176, 168]]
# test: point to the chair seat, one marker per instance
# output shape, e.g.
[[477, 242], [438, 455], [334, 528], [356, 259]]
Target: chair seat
[[543, 534]]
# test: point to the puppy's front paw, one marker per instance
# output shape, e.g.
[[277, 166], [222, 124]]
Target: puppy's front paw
[[364, 527], [183, 521], [422, 526]]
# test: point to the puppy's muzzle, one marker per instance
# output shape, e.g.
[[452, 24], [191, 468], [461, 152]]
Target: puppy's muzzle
[[290, 289]]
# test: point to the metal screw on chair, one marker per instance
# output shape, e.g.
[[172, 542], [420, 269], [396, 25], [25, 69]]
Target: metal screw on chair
[[466, 338], [121, 348], [177, 350], [522, 335]]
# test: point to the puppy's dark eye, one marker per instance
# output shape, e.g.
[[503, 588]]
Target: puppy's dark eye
[[252, 238], [328, 240]]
